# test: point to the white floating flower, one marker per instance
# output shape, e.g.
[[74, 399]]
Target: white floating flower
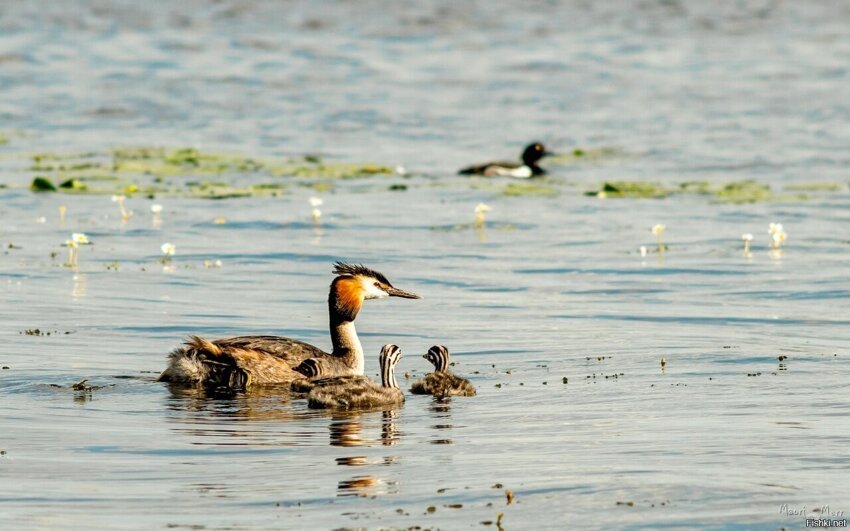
[[118, 198], [658, 229], [400, 170], [70, 243], [481, 208], [42, 219], [643, 251], [80, 238], [747, 237], [168, 249], [156, 209], [316, 202], [778, 233]]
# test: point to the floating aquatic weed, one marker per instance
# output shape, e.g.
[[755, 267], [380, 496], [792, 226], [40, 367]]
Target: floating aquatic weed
[[747, 239], [315, 203], [42, 184], [480, 210], [210, 264], [167, 252], [125, 214], [221, 220], [529, 189], [663, 362]]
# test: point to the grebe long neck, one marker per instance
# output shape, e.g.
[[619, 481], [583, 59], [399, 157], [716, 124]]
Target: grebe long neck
[[346, 345], [344, 303]]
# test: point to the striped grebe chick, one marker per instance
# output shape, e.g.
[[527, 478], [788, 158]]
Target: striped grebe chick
[[441, 382], [359, 391], [529, 168], [239, 362]]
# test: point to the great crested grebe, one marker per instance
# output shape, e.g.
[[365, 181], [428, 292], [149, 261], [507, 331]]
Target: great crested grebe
[[360, 392], [441, 382], [529, 168], [238, 362]]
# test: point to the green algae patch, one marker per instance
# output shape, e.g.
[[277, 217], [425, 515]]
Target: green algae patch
[[585, 155], [220, 190], [330, 170], [188, 172], [640, 189], [42, 184], [816, 187], [744, 192], [528, 189]]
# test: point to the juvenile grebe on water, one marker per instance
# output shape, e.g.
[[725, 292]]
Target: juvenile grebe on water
[[529, 168], [353, 392], [441, 382], [238, 362]]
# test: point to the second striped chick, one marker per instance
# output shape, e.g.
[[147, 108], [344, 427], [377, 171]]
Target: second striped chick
[[441, 382]]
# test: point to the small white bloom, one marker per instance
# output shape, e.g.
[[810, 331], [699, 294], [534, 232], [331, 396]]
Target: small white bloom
[[480, 208], [400, 170], [156, 209], [70, 243], [316, 202], [658, 229], [643, 251], [118, 198], [167, 249], [747, 237], [779, 237], [42, 219], [80, 238]]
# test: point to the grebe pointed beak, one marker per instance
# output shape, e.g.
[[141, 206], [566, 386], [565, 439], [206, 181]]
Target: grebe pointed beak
[[395, 292]]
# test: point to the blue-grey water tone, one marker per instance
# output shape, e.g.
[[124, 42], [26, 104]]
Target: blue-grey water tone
[[550, 308]]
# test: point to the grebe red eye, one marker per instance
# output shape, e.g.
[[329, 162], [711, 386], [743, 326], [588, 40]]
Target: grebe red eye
[[377, 284]]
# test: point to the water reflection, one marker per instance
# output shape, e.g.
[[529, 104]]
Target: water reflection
[[196, 406], [79, 288], [441, 410], [346, 429]]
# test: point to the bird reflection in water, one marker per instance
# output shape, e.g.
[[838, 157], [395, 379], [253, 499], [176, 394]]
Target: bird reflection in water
[[210, 414], [441, 411], [347, 430]]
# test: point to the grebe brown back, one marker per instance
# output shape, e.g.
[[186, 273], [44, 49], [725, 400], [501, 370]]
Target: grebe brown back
[[239, 362], [441, 382], [359, 391]]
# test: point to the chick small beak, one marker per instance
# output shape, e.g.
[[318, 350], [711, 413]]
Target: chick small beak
[[425, 356], [395, 292]]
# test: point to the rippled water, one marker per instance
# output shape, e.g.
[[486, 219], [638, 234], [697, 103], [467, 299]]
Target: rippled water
[[551, 288]]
